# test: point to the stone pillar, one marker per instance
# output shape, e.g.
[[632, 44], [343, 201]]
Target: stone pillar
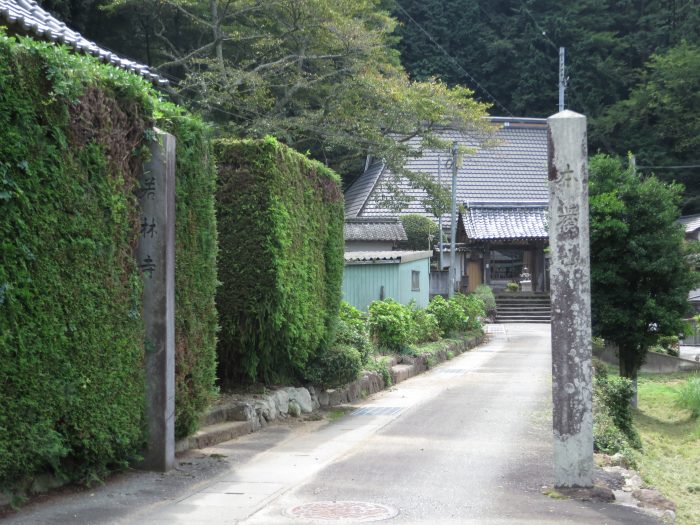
[[156, 257], [572, 387]]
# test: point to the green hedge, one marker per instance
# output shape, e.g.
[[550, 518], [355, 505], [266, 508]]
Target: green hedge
[[196, 320], [280, 218], [72, 141]]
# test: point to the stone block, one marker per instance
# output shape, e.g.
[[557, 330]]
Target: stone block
[[302, 396], [324, 399]]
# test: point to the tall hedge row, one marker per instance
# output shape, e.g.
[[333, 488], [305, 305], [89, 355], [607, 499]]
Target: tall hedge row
[[73, 138], [280, 219], [196, 320]]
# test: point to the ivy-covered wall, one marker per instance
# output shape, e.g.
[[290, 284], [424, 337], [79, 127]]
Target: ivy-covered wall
[[72, 141], [280, 219]]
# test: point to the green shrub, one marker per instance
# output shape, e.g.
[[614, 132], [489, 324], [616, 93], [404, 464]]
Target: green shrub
[[473, 307], [334, 367], [600, 369], [418, 228], [352, 316], [616, 394], [512, 287], [607, 438], [391, 325], [280, 218], [449, 314], [688, 396], [73, 133], [357, 337], [668, 345], [485, 293], [425, 325]]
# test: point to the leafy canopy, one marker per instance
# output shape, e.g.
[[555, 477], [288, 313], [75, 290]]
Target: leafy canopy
[[319, 75], [639, 275]]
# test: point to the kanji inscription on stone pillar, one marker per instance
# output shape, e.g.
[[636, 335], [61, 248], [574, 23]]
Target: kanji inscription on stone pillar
[[156, 259], [572, 388]]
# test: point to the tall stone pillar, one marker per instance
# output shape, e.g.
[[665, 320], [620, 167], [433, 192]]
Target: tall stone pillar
[[156, 257], [571, 300]]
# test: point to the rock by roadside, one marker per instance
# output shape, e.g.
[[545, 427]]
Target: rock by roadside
[[615, 481]]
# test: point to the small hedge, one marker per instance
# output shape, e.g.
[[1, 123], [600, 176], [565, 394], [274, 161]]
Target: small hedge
[[73, 137], [280, 219], [450, 315], [391, 325]]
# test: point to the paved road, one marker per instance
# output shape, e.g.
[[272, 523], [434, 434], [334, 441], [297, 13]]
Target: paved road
[[467, 443]]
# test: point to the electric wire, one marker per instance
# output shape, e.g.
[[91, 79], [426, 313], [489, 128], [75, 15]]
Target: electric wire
[[453, 60]]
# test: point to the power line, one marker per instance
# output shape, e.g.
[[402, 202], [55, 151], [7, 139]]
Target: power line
[[669, 167], [453, 60]]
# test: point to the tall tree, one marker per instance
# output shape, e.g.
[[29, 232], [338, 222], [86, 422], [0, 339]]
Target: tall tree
[[320, 75], [660, 120], [640, 277]]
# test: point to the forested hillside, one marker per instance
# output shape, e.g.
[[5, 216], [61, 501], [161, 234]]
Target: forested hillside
[[633, 67], [331, 77]]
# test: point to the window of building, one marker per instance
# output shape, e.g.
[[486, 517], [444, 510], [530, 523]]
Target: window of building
[[415, 281]]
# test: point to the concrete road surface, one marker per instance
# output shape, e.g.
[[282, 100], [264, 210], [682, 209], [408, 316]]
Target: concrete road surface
[[467, 443]]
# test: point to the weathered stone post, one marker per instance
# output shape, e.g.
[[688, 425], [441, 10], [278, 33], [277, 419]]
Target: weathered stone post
[[572, 388], [156, 257]]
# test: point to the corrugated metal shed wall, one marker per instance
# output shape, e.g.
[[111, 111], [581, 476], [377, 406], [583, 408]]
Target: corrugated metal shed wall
[[362, 283], [405, 281]]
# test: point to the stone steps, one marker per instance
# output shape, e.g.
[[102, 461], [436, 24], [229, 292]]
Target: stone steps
[[523, 308]]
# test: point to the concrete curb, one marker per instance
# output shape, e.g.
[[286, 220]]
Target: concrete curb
[[243, 415], [239, 417]]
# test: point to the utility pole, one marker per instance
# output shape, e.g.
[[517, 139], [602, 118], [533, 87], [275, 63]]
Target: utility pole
[[453, 226], [562, 77], [440, 218]]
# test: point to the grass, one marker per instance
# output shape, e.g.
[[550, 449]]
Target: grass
[[671, 441]]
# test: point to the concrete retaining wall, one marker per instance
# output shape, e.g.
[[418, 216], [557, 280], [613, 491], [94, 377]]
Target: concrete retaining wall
[[655, 363]]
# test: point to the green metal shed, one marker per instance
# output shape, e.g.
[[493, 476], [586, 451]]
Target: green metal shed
[[400, 275]]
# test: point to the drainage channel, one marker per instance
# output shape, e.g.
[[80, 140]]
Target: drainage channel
[[376, 411]]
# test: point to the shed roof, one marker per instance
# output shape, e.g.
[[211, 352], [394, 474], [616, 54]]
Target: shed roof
[[27, 17], [375, 229], [511, 171], [690, 222], [506, 223], [385, 257]]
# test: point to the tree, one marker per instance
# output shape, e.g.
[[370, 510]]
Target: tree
[[320, 75], [418, 230], [661, 119], [640, 277]]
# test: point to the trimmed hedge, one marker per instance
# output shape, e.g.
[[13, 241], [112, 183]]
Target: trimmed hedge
[[72, 142], [196, 246], [280, 218]]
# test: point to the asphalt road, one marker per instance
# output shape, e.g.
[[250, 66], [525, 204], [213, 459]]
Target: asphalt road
[[467, 443]]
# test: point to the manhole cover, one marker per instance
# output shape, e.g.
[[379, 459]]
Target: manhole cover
[[348, 511]]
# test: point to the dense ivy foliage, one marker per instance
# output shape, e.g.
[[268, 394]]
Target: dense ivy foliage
[[196, 320], [280, 218], [72, 142]]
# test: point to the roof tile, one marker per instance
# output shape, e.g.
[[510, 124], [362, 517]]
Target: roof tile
[[33, 20]]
